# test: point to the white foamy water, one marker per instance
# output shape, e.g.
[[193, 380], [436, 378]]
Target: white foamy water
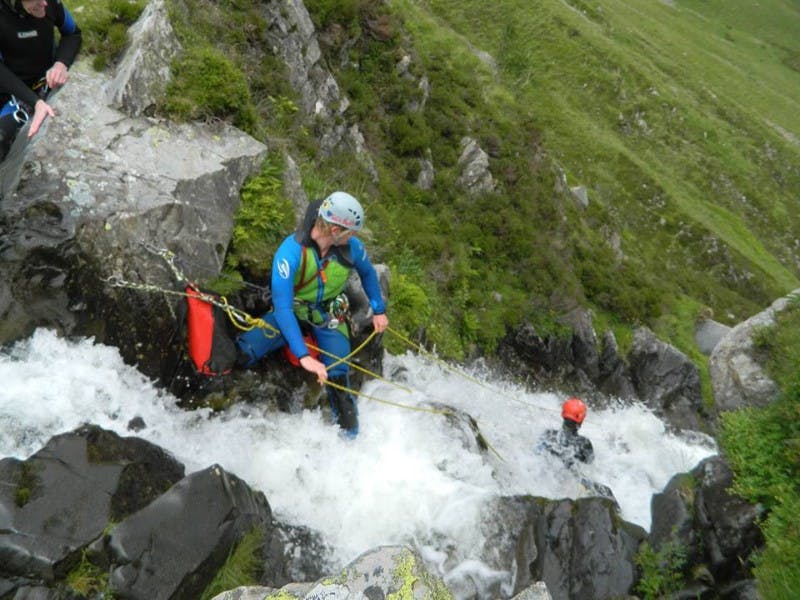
[[409, 477]]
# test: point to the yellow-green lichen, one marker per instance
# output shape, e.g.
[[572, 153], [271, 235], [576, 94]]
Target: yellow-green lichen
[[405, 575]]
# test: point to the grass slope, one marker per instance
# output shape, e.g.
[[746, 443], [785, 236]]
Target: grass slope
[[680, 119], [692, 106]]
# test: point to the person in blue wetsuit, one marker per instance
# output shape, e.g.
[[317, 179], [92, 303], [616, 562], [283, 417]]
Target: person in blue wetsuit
[[309, 274], [31, 63]]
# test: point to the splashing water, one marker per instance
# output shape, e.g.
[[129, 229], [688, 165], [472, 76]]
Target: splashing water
[[410, 476]]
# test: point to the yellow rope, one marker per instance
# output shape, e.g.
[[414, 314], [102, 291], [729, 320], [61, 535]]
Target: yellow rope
[[358, 367], [448, 367], [344, 359], [389, 402]]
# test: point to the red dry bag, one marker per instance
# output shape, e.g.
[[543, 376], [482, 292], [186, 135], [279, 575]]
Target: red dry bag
[[211, 347]]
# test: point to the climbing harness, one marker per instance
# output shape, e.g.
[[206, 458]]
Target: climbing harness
[[338, 311], [330, 314]]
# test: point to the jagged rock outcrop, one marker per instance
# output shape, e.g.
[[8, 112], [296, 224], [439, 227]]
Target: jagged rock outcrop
[[572, 360], [614, 377], [653, 371], [738, 377], [144, 71], [666, 380], [717, 530], [292, 37], [475, 177], [580, 548]]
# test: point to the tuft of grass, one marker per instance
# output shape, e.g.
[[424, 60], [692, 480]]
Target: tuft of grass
[[27, 482], [263, 220], [241, 568], [88, 580], [662, 570], [227, 71], [206, 85], [104, 25]]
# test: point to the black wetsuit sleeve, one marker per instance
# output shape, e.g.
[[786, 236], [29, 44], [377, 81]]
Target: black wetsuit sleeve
[[11, 84], [584, 451], [68, 48], [71, 37]]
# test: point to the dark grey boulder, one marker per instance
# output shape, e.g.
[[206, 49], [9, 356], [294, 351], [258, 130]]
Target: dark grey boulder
[[730, 523], [54, 504], [173, 547], [666, 380], [581, 549], [715, 528]]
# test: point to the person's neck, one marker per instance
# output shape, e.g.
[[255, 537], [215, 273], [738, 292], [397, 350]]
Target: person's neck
[[323, 239]]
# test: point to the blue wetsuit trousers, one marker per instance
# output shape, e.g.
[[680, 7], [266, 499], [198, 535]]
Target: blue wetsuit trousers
[[259, 342]]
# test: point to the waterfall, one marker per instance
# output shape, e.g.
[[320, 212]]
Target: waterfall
[[411, 476]]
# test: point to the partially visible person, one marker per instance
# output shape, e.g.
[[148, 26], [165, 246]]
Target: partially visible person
[[309, 273], [567, 443], [31, 64]]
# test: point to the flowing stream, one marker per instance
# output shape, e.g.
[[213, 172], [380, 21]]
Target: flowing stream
[[410, 477]]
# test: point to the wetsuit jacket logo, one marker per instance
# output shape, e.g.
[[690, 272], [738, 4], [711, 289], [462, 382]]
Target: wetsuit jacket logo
[[283, 269], [27, 34]]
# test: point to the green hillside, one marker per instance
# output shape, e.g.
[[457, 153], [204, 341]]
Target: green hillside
[[680, 120], [665, 113]]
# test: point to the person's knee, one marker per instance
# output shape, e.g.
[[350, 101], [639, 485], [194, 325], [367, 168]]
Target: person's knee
[[246, 355]]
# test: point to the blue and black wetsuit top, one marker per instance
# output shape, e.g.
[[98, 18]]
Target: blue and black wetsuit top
[[303, 280], [27, 46]]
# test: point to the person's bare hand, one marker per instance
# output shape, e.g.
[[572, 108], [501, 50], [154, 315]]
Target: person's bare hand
[[312, 365], [56, 75], [41, 111], [380, 323]]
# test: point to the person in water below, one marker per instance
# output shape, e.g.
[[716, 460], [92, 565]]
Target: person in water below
[[567, 443], [309, 273]]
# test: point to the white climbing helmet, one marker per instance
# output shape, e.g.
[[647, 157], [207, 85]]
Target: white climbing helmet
[[340, 208]]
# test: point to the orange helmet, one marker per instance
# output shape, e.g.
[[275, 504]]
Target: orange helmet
[[574, 409]]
